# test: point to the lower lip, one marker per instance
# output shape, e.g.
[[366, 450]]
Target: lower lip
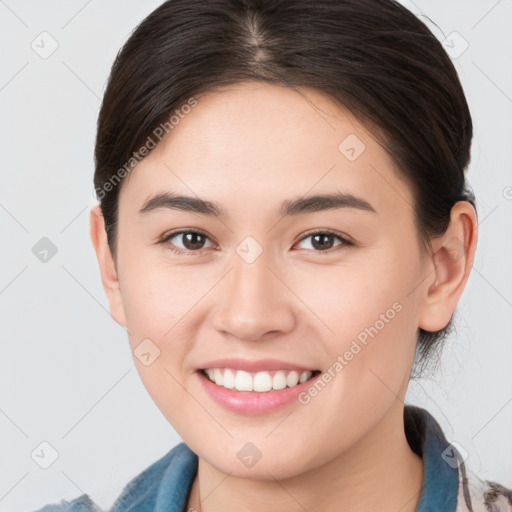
[[253, 402]]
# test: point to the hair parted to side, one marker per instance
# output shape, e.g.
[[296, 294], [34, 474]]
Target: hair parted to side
[[374, 57]]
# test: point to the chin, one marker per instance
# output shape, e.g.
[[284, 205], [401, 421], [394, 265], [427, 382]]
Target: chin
[[244, 460]]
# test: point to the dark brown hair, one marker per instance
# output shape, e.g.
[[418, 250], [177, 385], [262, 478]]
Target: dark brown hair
[[372, 56]]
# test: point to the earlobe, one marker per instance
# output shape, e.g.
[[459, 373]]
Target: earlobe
[[109, 277], [452, 258]]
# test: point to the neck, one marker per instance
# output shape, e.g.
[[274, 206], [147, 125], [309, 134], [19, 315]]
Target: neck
[[380, 473]]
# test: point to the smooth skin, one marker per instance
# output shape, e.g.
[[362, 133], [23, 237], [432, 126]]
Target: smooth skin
[[249, 147]]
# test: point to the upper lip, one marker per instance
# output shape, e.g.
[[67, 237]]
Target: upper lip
[[254, 365]]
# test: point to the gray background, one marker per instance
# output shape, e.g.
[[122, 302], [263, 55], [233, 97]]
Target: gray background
[[67, 375]]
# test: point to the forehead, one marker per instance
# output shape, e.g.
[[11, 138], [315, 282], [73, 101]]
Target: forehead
[[250, 141]]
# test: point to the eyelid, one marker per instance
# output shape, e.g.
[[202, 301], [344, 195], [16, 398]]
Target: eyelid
[[180, 231], [165, 239], [326, 231], [346, 240]]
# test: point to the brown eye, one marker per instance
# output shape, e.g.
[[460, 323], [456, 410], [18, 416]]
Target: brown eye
[[193, 241], [324, 241]]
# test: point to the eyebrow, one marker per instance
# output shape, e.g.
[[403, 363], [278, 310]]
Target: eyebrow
[[309, 204]]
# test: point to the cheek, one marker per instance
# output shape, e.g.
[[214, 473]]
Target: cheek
[[369, 317], [346, 300], [157, 305], [157, 297]]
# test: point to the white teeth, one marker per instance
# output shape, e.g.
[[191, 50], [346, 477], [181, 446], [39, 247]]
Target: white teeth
[[259, 382], [292, 379], [243, 381], [262, 382], [218, 377], [279, 380], [304, 376], [229, 379]]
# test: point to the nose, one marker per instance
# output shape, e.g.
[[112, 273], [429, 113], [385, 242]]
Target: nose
[[254, 302]]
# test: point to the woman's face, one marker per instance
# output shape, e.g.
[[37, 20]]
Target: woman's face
[[259, 285]]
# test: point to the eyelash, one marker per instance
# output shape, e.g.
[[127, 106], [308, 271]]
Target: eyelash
[[172, 248]]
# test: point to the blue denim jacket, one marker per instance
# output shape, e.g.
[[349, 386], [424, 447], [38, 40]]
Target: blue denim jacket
[[447, 486]]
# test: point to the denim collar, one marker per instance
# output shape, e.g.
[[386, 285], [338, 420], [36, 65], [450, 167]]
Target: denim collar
[[440, 461]]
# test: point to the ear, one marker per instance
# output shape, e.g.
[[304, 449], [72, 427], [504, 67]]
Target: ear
[[453, 255], [107, 266]]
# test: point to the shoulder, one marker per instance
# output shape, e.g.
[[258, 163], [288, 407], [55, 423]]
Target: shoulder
[[478, 495], [81, 504], [448, 484], [166, 482], [169, 478]]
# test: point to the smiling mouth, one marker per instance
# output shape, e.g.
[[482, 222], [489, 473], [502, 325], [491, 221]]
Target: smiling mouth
[[260, 382]]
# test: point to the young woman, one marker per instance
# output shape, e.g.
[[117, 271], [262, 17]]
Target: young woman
[[285, 230]]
